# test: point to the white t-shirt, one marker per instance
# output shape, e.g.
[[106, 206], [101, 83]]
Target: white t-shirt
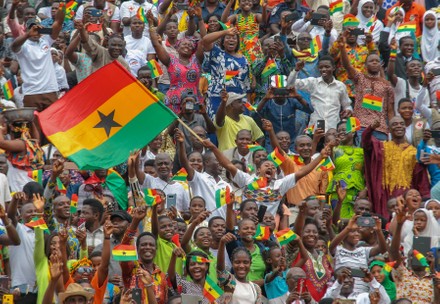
[[400, 92], [182, 196], [5, 193], [143, 45], [130, 8], [357, 258], [21, 258], [37, 70], [135, 60], [114, 16]]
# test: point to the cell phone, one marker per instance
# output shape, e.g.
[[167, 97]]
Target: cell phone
[[136, 295], [182, 6], [4, 282], [435, 133], [436, 72], [171, 200], [357, 32], [365, 221], [8, 299], [261, 212], [320, 124], [94, 27], [280, 91], [191, 299], [111, 206], [422, 244], [343, 184], [96, 13], [45, 31], [82, 226], [290, 17], [357, 273], [316, 17]]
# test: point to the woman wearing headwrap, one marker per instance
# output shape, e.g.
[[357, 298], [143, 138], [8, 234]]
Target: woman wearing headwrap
[[376, 269], [434, 206], [430, 37], [368, 21], [424, 224]]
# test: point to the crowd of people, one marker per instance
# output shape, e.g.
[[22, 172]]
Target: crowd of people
[[304, 166]]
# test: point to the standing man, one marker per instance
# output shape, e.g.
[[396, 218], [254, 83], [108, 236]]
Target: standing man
[[129, 9], [39, 87]]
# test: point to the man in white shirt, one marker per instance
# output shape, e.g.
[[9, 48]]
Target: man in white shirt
[[129, 9], [37, 70], [163, 165], [343, 289], [5, 193], [327, 94], [109, 11], [21, 258], [139, 48]]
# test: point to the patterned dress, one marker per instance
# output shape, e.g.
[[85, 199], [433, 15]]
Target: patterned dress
[[249, 44], [182, 77], [349, 163]]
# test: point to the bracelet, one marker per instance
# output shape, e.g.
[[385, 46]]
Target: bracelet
[[149, 285], [106, 238]]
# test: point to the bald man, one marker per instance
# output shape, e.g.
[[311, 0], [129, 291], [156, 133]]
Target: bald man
[[391, 167]]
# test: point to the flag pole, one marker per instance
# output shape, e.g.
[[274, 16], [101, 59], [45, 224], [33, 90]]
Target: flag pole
[[190, 130]]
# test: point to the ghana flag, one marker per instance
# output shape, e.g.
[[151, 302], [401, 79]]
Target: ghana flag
[[59, 186], [37, 222], [326, 165], [211, 291], [181, 175], [285, 236], [276, 157], [350, 21], [388, 267], [74, 203], [262, 233], [230, 74], [225, 26], [407, 27], [421, 258], [141, 15], [269, 68], [8, 90], [222, 197], [255, 147], [336, 6], [155, 68], [36, 175], [70, 9], [315, 46], [124, 253], [102, 119], [250, 107], [258, 184], [372, 102], [353, 125]]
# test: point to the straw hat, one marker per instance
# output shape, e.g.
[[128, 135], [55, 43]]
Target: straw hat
[[74, 289]]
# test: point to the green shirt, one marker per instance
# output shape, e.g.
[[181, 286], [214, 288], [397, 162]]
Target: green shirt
[[163, 256], [257, 267]]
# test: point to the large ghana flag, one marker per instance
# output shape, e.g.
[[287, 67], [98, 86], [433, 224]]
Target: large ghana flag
[[103, 118]]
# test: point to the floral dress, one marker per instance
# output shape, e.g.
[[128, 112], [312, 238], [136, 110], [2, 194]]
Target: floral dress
[[216, 64], [182, 78]]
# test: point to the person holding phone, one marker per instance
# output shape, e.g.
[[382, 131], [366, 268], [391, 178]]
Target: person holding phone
[[39, 87], [366, 15], [48, 22]]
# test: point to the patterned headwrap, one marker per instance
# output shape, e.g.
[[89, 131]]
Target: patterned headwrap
[[78, 263]]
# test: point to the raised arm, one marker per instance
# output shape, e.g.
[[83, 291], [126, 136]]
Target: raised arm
[[262, 18], [401, 217], [222, 159], [208, 40], [11, 237], [227, 10], [381, 247], [227, 238], [351, 71], [186, 239], [18, 197], [55, 272], [341, 236], [392, 63], [268, 127], [221, 111], [161, 53], [162, 25], [179, 137], [106, 253], [71, 49], [312, 165], [177, 252], [58, 21]]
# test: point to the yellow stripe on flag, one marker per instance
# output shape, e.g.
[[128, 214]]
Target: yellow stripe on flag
[[91, 137]]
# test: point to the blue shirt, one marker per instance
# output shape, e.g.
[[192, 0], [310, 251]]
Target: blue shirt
[[277, 287], [434, 170], [67, 25]]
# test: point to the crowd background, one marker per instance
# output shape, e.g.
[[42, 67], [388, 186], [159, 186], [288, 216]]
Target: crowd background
[[303, 168]]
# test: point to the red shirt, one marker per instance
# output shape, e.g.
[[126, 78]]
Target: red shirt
[[415, 13]]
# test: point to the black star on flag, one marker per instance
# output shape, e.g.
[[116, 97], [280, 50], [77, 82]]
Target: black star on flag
[[107, 122]]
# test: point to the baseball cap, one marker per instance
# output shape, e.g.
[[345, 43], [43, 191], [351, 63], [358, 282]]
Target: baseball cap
[[121, 214]]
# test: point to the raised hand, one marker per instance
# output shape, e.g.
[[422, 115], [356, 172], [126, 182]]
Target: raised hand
[[38, 202], [56, 266], [227, 238], [178, 135], [145, 276]]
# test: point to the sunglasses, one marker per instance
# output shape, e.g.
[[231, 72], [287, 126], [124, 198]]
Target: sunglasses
[[82, 270]]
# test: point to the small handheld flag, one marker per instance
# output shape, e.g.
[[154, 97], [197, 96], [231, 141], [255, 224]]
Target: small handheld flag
[[59, 186], [336, 6], [276, 157], [155, 68], [230, 74], [326, 165], [222, 197], [407, 27], [8, 90], [37, 222], [250, 107], [315, 45], [176, 240], [74, 203], [36, 175], [124, 253], [270, 68], [225, 26], [278, 81], [353, 125], [141, 15], [254, 148], [388, 267], [151, 197], [421, 258], [70, 9], [393, 54], [372, 102], [309, 130], [211, 291], [258, 184], [350, 21], [297, 159], [262, 233], [181, 175], [285, 236]]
